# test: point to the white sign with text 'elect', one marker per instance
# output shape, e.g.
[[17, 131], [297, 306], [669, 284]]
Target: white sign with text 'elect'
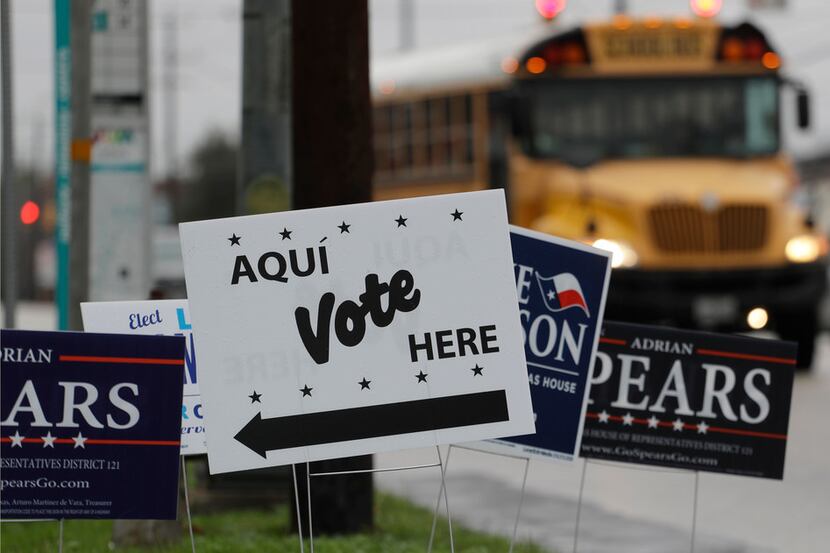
[[168, 317], [351, 330]]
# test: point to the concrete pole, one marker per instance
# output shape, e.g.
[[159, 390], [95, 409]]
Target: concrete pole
[[9, 225], [265, 149], [81, 153]]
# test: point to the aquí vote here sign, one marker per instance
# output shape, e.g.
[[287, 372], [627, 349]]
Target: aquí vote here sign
[[90, 425], [350, 330]]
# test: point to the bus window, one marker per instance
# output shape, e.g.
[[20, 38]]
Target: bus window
[[760, 99], [654, 117]]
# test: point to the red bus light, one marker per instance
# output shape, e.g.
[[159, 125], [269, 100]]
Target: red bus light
[[550, 8]]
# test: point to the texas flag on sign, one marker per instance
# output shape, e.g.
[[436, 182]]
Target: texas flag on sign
[[561, 292]]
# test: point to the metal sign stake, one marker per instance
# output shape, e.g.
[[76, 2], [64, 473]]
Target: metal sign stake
[[187, 506], [579, 503], [440, 464], [519, 510], [297, 505], [694, 512], [60, 536]]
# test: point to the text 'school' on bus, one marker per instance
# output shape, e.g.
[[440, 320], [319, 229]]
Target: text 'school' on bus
[[659, 140]]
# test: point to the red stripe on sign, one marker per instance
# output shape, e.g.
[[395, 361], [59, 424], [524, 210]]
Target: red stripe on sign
[[749, 356], [133, 442], [748, 433], [614, 341], [128, 360], [97, 441]]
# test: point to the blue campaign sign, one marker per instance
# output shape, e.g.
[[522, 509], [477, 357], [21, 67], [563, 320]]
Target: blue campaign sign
[[561, 287], [89, 425]]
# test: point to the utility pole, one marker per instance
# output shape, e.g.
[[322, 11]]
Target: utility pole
[[332, 165], [264, 168], [9, 262], [170, 46], [81, 153], [620, 6]]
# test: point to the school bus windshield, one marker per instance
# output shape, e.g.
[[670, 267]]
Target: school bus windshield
[[652, 117]]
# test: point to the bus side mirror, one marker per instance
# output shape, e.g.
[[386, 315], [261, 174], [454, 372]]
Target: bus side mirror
[[803, 106]]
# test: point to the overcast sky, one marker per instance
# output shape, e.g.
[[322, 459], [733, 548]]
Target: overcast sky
[[210, 39]]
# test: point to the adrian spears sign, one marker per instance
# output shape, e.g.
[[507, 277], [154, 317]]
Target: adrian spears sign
[[90, 425], [351, 330], [690, 400]]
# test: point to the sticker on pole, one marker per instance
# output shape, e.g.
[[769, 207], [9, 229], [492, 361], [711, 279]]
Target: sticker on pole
[[90, 425], [169, 317], [561, 287], [350, 330], [691, 400]]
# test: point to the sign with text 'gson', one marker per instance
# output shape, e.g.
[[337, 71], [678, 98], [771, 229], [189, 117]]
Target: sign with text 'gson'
[[561, 286], [168, 317], [90, 425], [350, 330], [691, 400]]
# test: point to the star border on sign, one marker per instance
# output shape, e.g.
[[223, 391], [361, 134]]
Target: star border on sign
[[286, 234], [653, 422], [627, 419], [364, 384], [49, 440], [477, 370], [603, 417], [401, 220], [677, 425], [17, 439], [344, 228], [79, 441], [456, 215], [702, 427], [234, 239], [306, 390], [255, 397], [421, 376]]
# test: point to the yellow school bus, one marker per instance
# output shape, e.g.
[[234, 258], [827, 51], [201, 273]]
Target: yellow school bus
[[657, 139]]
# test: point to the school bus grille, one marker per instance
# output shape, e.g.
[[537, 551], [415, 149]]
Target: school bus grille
[[683, 228]]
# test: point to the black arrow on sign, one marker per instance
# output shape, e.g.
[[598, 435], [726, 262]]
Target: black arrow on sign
[[357, 423]]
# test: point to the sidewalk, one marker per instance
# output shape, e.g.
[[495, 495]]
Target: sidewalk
[[488, 504]]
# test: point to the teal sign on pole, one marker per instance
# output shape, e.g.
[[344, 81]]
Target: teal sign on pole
[[63, 165]]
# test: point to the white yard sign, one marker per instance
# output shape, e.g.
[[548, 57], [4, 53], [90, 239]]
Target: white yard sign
[[351, 330], [169, 317]]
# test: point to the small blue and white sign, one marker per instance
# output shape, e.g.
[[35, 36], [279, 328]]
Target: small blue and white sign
[[561, 287], [89, 425], [168, 317]]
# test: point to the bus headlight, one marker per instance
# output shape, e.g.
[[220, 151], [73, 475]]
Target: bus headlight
[[622, 255], [805, 248]]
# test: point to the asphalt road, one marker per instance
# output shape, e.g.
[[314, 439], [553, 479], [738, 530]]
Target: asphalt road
[[631, 509]]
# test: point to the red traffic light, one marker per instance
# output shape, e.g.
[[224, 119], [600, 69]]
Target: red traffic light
[[29, 213], [550, 8]]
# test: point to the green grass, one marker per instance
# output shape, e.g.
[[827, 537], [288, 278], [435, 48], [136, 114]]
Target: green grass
[[400, 528]]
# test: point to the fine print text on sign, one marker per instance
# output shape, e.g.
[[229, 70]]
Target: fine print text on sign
[[351, 330], [561, 287], [90, 425], [168, 317], [691, 400]]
